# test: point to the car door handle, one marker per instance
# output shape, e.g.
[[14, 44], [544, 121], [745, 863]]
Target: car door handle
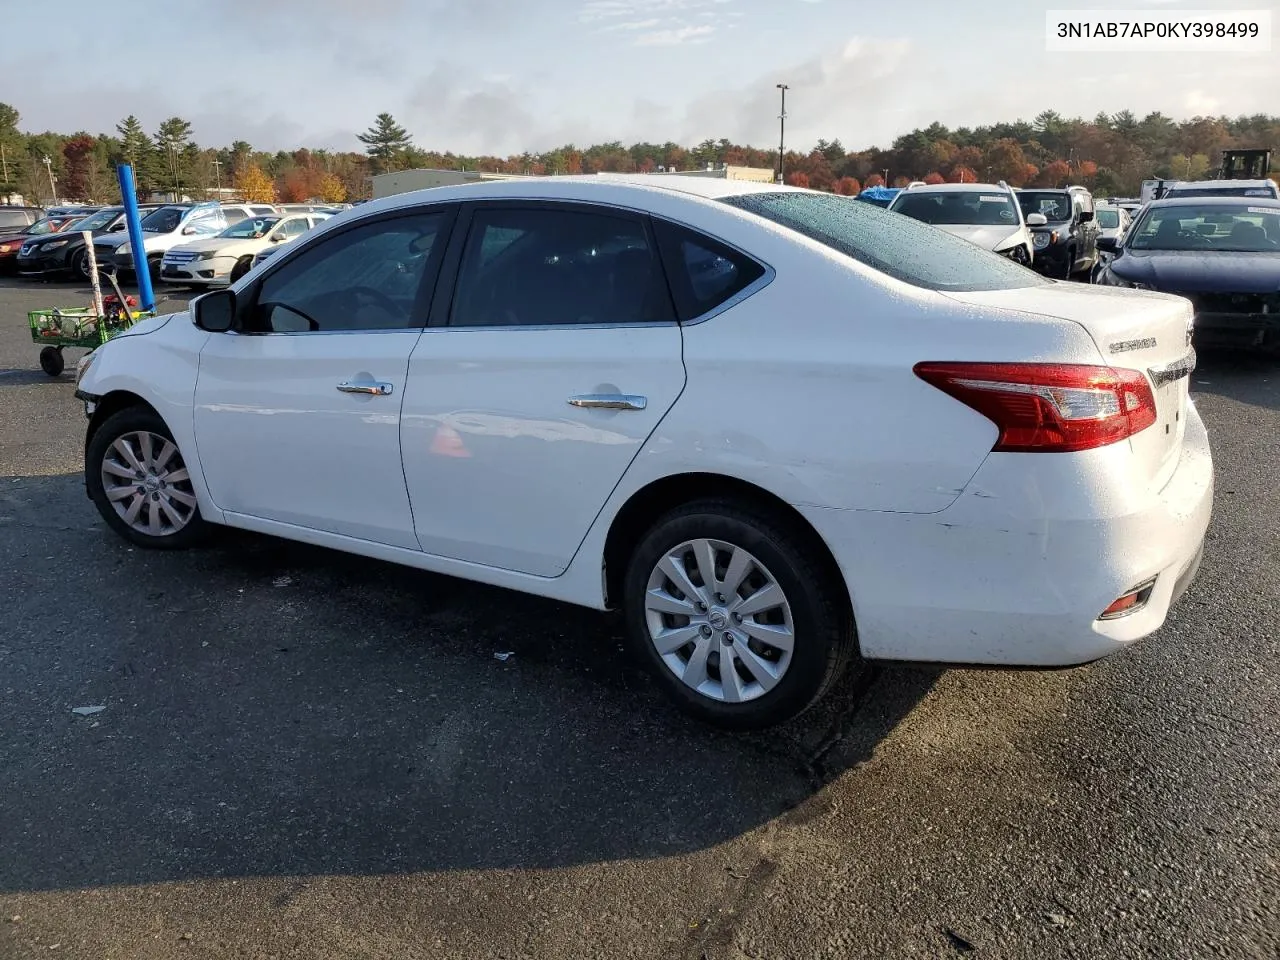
[[374, 387], [609, 401]]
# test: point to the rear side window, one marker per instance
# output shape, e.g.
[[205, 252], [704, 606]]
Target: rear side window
[[895, 245], [703, 272], [262, 211], [15, 218], [234, 215]]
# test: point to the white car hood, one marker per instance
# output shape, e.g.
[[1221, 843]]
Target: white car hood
[[223, 245], [990, 237]]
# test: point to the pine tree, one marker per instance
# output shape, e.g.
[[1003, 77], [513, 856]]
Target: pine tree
[[136, 150], [386, 142], [172, 140]]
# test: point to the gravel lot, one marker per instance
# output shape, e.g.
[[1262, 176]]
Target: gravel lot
[[315, 756]]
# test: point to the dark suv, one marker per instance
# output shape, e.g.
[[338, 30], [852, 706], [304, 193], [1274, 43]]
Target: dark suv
[[1067, 245]]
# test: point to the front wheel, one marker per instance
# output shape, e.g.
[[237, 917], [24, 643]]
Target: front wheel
[[243, 266], [140, 483], [52, 362], [736, 614], [80, 264]]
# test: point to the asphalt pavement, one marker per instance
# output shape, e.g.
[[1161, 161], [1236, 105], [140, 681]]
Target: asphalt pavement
[[308, 755]]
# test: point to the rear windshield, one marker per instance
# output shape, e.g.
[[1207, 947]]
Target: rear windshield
[[898, 246]]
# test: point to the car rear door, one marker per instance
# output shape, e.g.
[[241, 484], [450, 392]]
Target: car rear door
[[297, 414], [552, 354]]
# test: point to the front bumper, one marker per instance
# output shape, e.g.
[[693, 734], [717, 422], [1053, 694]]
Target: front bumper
[[1017, 571], [1237, 329], [54, 262], [215, 272]]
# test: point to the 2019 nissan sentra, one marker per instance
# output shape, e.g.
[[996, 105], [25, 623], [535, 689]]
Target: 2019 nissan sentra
[[1221, 253], [783, 432]]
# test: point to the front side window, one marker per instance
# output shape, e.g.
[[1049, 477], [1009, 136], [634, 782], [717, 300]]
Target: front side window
[[292, 228], [1053, 204], [896, 246], [365, 278], [958, 208], [554, 266]]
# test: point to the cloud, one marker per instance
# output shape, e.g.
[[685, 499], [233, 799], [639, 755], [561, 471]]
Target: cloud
[[675, 36]]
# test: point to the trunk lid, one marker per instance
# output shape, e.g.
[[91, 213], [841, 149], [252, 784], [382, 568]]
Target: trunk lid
[[1150, 332]]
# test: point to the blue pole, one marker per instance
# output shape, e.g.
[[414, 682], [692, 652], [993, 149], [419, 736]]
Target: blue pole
[[146, 298]]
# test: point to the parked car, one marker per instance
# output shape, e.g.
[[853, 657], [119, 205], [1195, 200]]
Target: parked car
[[1223, 188], [163, 228], [12, 242], [65, 253], [235, 212], [268, 252], [1221, 253], [310, 208], [73, 210], [855, 436], [1113, 221], [1067, 244], [13, 219], [982, 213], [217, 261]]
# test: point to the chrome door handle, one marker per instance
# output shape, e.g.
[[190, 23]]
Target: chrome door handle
[[609, 401], [376, 388]]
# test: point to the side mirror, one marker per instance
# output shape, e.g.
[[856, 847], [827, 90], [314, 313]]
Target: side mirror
[[278, 238], [1108, 244], [188, 231], [118, 228], [215, 311], [1036, 219], [1086, 216]]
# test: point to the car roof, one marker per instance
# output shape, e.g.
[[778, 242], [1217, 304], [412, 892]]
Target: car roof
[[1271, 202], [956, 188], [1221, 184]]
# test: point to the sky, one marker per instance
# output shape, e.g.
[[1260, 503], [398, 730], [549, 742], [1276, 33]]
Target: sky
[[504, 76]]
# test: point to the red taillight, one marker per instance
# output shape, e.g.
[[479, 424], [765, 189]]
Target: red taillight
[[1049, 407]]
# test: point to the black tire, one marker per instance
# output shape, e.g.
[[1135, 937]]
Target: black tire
[[243, 266], [120, 424], [80, 264], [51, 361], [824, 635]]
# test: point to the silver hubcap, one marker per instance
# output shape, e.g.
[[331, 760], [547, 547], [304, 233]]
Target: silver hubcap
[[719, 620], [147, 483]]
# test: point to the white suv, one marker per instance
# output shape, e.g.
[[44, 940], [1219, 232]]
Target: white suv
[[225, 258], [982, 213]]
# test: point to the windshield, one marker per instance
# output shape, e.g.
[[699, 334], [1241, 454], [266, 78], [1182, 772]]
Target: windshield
[[1229, 228], [98, 221], [252, 229], [1220, 192], [1054, 204], [962, 207], [164, 220], [46, 225], [894, 245], [1108, 219]]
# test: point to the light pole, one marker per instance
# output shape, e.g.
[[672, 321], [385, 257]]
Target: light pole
[[217, 172], [782, 134], [53, 186], [885, 176]]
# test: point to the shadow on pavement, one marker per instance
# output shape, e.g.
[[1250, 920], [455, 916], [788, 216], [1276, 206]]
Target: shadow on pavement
[[276, 709], [1249, 377]]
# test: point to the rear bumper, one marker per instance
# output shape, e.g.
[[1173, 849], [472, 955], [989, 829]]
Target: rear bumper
[[1017, 571]]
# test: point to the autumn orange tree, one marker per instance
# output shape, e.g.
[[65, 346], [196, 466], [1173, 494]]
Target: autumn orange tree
[[934, 178], [848, 187], [254, 185]]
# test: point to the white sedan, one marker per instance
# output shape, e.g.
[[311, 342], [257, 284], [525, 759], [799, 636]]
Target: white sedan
[[782, 430]]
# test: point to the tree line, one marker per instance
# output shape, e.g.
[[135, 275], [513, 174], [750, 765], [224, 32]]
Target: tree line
[[1111, 154]]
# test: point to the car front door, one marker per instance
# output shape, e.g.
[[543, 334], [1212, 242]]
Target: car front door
[[549, 361], [297, 411]]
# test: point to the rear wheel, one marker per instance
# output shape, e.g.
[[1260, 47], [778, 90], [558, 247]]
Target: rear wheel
[[736, 613], [52, 362], [139, 482]]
